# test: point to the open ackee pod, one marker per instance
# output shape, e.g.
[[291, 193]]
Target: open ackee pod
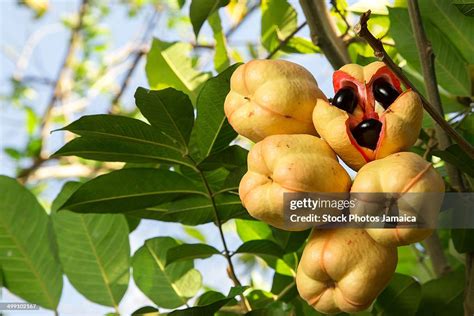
[[370, 117]]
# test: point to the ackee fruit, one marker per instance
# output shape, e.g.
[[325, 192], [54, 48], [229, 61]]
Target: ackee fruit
[[416, 189], [288, 163], [343, 270], [269, 97]]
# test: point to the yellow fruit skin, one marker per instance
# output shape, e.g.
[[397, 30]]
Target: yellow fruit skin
[[288, 163], [269, 97], [402, 172], [400, 129], [343, 270]]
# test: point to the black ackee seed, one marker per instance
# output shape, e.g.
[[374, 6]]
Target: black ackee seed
[[367, 133], [345, 99], [384, 92]]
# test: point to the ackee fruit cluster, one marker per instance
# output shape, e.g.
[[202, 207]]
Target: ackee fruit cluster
[[299, 135]]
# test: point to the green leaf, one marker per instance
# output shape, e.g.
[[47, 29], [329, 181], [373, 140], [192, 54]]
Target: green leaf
[[116, 127], [281, 283], [146, 311], [210, 308], [232, 157], [290, 241], [466, 7], [118, 138], [201, 10], [28, 257], [400, 297], [167, 286], [252, 230], [273, 309], [212, 131], [451, 67], [169, 65], [195, 210], [278, 22], [457, 157], [168, 110], [259, 298], [101, 149], [377, 7], [261, 247], [128, 190], [409, 263], [463, 240], [132, 222], [300, 45], [453, 23], [94, 251], [194, 233], [221, 57], [189, 252], [443, 296]]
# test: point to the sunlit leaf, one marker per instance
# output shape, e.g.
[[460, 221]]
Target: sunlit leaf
[[94, 251], [201, 10], [212, 131], [278, 21], [189, 252], [167, 286], [28, 258], [169, 111], [221, 58], [168, 65]]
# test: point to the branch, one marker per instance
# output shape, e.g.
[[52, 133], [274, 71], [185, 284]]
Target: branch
[[323, 33], [57, 92], [436, 253], [425, 52], [285, 40], [379, 52], [343, 17]]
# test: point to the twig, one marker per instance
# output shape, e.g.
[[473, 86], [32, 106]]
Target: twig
[[114, 106], [227, 255], [57, 92], [379, 52], [422, 260], [234, 28], [285, 40], [343, 17], [323, 33], [285, 291]]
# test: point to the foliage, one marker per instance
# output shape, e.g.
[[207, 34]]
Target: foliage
[[182, 163]]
